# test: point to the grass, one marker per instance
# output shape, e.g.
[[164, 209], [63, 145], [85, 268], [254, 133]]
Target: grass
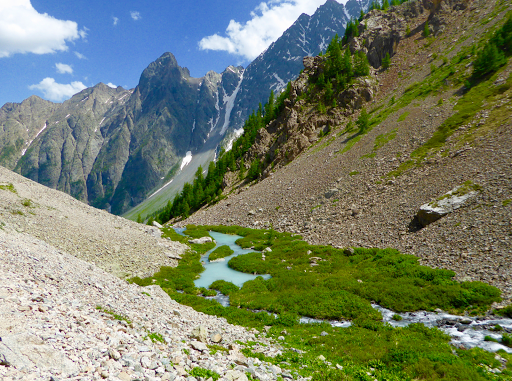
[[27, 203], [481, 96], [220, 252], [332, 290], [354, 173], [381, 141], [114, 315], [403, 116], [507, 202], [8, 187], [155, 337]]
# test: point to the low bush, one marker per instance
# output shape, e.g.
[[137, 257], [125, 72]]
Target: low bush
[[220, 252]]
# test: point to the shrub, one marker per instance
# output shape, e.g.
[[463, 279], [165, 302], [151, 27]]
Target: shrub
[[488, 60], [220, 252], [506, 339]]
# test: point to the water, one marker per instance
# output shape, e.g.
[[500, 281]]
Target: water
[[220, 270], [469, 335]]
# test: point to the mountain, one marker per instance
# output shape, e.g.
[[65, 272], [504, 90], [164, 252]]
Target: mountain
[[118, 149], [110, 147]]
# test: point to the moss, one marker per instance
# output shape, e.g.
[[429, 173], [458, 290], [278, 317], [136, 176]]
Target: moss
[[507, 202]]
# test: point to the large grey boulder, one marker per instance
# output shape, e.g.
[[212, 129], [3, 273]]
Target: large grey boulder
[[201, 240], [446, 204]]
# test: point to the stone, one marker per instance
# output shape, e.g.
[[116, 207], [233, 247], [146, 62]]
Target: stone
[[198, 346], [123, 376], [157, 225], [321, 358], [200, 333], [331, 192], [444, 205], [201, 241], [349, 251], [145, 362], [216, 337], [235, 375]]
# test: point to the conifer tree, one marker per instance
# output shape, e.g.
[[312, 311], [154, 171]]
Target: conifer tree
[[386, 62], [363, 121], [385, 5], [426, 30]]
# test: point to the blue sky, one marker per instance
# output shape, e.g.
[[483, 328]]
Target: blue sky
[[53, 48]]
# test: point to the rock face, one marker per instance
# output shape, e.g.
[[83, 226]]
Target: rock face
[[444, 205]]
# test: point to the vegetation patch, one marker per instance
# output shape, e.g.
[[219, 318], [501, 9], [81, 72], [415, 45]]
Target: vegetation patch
[[381, 141], [220, 252], [204, 373], [8, 187], [114, 315]]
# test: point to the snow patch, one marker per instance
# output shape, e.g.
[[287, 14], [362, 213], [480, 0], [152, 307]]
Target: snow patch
[[282, 84], [67, 116], [186, 160], [161, 188], [230, 103], [35, 137]]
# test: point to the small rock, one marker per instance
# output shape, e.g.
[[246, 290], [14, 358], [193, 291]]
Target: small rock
[[198, 346], [321, 358]]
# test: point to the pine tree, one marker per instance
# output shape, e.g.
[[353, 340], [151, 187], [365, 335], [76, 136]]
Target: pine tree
[[361, 65], [386, 62], [426, 30], [385, 5], [488, 60], [363, 121]]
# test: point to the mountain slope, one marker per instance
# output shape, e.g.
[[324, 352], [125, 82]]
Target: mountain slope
[[427, 134]]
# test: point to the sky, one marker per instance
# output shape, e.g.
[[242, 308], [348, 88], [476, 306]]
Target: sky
[[56, 48]]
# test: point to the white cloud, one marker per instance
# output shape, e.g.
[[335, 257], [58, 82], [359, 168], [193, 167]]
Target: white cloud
[[135, 15], [63, 68], [110, 84], [80, 56], [24, 30], [57, 92], [116, 20], [268, 22]]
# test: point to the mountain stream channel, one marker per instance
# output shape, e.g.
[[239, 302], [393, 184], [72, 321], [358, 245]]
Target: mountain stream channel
[[465, 331]]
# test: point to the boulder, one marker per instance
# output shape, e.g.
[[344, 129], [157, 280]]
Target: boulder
[[445, 204], [201, 241], [331, 192], [200, 333], [157, 225], [198, 346]]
